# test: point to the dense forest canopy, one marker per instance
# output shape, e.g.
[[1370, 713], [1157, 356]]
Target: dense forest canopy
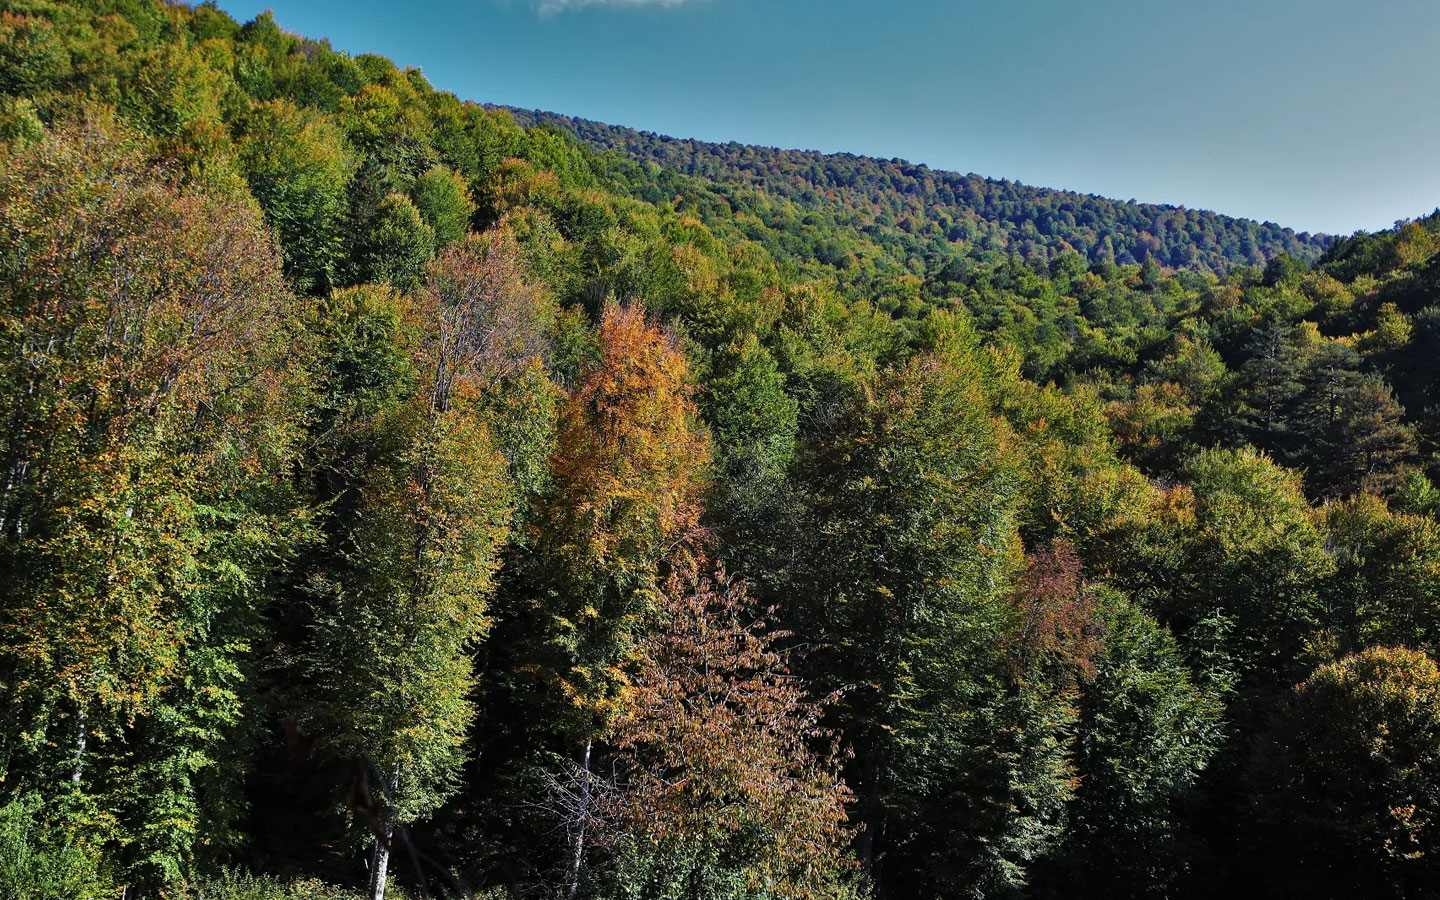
[[923, 212], [396, 498]]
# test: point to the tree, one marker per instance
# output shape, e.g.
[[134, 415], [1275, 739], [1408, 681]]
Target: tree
[[299, 166], [755, 424], [910, 546], [151, 369], [396, 245], [629, 458], [390, 653], [1146, 731], [1277, 358], [1253, 563], [1346, 797], [630, 454], [1387, 576], [1353, 427], [715, 762], [443, 199], [508, 335], [389, 658]]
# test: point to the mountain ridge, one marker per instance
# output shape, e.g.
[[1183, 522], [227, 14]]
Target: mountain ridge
[[894, 196]]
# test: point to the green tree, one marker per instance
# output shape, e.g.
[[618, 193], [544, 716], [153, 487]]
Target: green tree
[[151, 370], [1345, 790], [443, 199], [911, 537], [1278, 357], [1387, 576], [1353, 428], [299, 167], [1146, 733], [755, 424], [397, 244], [1253, 565], [389, 657]]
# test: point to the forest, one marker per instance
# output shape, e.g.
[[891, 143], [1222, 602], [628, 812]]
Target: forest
[[919, 211], [400, 498]]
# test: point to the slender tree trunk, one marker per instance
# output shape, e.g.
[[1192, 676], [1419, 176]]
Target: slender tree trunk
[[384, 839], [80, 740], [578, 855], [380, 860]]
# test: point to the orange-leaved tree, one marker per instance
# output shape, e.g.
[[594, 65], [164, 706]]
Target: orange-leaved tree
[[627, 474], [628, 465]]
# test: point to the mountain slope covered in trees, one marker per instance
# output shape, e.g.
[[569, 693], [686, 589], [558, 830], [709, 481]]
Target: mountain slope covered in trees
[[399, 501], [919, 208]]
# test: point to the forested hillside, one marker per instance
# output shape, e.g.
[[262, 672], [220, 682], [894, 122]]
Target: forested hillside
[[399, 501], [925, 211]]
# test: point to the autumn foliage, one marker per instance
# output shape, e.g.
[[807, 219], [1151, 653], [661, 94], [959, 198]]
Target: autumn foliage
[[721, 743], [630, 455], [398, 494]]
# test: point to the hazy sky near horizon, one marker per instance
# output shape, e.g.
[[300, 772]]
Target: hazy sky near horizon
[[1323, 115]]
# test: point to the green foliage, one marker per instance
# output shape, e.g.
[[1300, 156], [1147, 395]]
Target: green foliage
[[39, 863], [913, 503], [1147, 732], [1251, 565], [152, 382], [238, 885], [1346, 787], [1029, 479], [680, 869], [397, 245], [1416, 494], [754, 423], [917, 209], [389, 654], [1386, 578], [442, 198], [299, 167]]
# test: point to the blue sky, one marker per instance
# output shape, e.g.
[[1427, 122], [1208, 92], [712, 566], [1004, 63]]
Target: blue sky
[[1323, 115]]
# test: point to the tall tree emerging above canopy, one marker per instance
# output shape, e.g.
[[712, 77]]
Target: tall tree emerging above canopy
[[626, 481], [149, 377], [390, 653], [628, 465]]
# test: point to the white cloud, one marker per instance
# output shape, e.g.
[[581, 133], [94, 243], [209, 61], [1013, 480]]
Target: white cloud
[[553, 7]]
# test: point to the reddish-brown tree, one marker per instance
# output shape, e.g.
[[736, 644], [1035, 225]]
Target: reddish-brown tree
[[719, 745]]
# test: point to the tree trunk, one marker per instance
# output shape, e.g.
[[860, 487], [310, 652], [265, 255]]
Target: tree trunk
[[380, 860], [80, 739], [578, 856]]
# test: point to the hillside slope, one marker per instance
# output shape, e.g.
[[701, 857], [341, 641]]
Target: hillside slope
[[896, 200], [388, 484]]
